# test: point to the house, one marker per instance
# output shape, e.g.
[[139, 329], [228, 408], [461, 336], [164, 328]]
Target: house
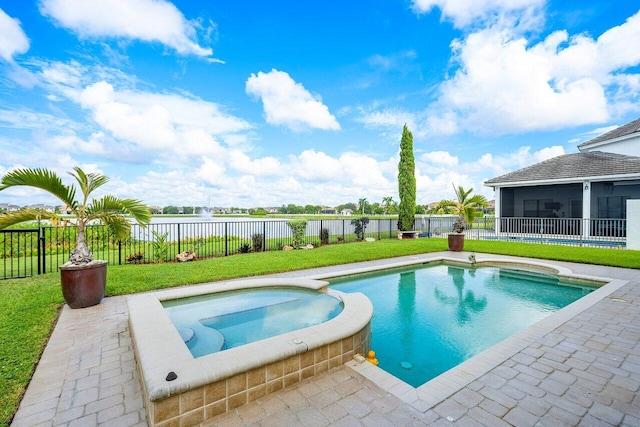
[[432, 205], [346, 212], [47, 208], [591, 186], [8, 207], [155, 210], [329, 211]]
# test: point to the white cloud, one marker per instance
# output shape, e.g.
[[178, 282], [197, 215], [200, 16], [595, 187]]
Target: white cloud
[[146, 20], [167, 125], [316, 166], [266, 166], [288, 103], [440, 158], [465, 12], [13, 40], [504, 85]]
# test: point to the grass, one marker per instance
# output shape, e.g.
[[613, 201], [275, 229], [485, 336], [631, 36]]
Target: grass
[[29, 307]]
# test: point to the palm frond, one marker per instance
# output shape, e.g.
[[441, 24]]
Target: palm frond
[[43, 179], [112, 205], [26, 214], [88, 182], [118, 225]]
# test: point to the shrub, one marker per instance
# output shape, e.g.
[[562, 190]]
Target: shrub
[[299, 229], [258, 242], [360, 226], [160, 246], [244, 248], [324, 236]]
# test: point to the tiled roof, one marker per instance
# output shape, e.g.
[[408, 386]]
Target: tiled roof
[[624, 130], [576, 165]]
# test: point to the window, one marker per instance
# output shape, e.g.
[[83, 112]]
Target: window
[[612, 207], [536, 208]]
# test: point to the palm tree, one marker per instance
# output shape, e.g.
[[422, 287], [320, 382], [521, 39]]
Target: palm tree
[[465, 206], [362, 203], [109, 210], [387, 201]]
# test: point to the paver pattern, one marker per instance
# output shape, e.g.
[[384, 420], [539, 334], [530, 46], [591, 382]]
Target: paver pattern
[[585, 372]]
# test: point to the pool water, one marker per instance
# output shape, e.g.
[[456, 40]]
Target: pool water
[[215, 322], [430, 319]]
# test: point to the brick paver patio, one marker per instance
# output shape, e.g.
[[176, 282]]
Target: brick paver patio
[[586, 371]]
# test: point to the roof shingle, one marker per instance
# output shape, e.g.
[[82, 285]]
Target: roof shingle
[[575, 165], [624, 130]]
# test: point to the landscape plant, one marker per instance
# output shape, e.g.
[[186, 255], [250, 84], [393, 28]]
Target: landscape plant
[[258, 242], [466, 204], [360, 225], [160, 246], [406, 182], [108, 210], [324, 236], [299, 230]]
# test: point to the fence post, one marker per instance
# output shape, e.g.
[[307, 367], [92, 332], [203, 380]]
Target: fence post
[[40, 249], [179, 251], [343, 229], [264, 236], [119, 252], [226, 240]]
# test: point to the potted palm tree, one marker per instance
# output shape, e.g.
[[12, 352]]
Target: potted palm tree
[[465, 206], [83, 279]]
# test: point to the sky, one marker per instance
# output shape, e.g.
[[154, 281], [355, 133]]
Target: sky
[[249, 103]]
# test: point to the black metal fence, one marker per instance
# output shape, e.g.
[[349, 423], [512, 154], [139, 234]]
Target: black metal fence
[[27, 252]]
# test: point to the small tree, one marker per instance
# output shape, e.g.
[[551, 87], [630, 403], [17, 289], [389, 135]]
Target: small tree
[[298, 228], [360, 226], [362, 204], [465, 206], [108, 210], [406, 182]]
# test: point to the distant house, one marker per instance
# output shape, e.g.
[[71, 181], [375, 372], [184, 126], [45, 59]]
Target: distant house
[[155, 210], [9, 207], [47, 208], [593, 184], [346, 212], [432, 205], [329, 211]]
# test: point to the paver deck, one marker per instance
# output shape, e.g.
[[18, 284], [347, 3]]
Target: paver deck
[[584, 371]]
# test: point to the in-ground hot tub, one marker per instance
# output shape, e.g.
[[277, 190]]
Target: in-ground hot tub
[[214, 383]]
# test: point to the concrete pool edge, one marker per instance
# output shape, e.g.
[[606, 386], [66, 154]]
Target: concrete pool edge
[[452, 381], [160, 350]]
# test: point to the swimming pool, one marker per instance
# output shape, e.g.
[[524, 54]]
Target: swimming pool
[[220, 321], [429, 319]]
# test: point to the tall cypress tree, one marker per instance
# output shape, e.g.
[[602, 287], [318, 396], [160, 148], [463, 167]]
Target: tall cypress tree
[[406, 182]]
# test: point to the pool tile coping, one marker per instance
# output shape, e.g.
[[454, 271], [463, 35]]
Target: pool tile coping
[[160, 349]]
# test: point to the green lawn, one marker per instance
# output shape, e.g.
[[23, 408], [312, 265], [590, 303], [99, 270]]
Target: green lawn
[[29, 307]]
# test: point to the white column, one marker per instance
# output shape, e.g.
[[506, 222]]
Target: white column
[[586, 209], [633, 224], [497, 197]]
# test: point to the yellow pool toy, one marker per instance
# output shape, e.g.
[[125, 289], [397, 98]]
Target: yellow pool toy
[[371, 357]]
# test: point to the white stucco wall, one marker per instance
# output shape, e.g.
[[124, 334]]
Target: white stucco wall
[[629, 146], [633, 224]]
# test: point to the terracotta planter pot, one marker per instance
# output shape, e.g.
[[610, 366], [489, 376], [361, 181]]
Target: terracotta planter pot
[[84, 285], [456, 242]]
